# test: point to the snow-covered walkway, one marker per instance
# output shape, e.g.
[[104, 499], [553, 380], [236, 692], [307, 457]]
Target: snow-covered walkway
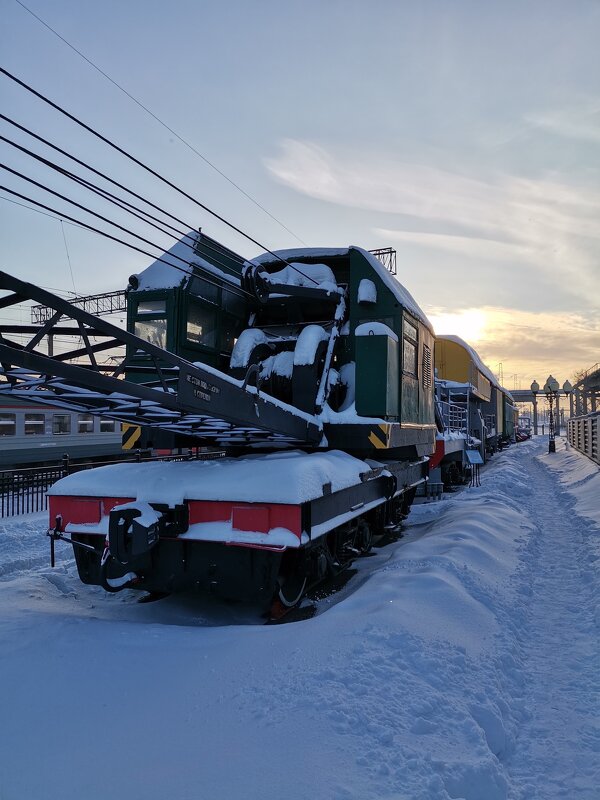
[[556, 752], [462, 662]]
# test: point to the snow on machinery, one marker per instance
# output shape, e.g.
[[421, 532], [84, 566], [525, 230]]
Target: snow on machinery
[[312, 370]]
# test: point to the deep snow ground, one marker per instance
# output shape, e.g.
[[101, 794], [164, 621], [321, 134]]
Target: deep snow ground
[[462, 662]]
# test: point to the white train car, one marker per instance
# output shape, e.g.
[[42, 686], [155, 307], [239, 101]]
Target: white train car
[[37, 434]]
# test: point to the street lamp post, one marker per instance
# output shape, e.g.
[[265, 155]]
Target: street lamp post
[[535, 387], [568, 390], [551, 389]]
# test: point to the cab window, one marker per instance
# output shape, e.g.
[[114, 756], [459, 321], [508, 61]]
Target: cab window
[[151, 322], [410, 346], [201, 325]]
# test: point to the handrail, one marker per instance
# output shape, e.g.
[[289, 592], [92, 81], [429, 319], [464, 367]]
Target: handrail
[[583, 434]]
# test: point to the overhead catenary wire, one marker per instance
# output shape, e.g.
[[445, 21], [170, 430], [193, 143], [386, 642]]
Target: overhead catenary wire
[[84, 181], [99, 190], [37, 211], [116, 201], [148, 169], [70, 221], [189, 264], [62, 227], [161, 122], [88, 167], [234, 290], [89, 211]]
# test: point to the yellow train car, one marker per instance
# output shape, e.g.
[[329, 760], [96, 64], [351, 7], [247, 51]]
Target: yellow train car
[[458, 362], [455, 360]]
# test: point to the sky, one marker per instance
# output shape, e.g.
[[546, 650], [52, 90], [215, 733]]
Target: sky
[[466, 135]]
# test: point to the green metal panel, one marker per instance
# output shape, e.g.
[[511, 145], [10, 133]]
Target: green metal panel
[[508, 428], [410, 399], [377, 376], [415, 395]]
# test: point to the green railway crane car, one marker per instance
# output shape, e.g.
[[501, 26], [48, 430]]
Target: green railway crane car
[[311, 370]]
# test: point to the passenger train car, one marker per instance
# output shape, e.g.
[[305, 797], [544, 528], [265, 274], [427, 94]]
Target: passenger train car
[[476, 413], [34, 434]]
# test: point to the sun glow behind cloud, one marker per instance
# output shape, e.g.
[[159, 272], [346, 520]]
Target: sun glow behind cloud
[[528, 344], [469, 324]]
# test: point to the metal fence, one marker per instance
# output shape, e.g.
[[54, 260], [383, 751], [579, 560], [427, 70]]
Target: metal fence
[[23, 491], [584, 433]]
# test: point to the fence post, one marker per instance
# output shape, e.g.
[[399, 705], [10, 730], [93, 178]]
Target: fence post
[[65, 463]]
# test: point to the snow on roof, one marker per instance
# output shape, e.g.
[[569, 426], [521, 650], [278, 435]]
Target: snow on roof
[[163, 276], [452, 384], [375, 329], [296, 275], [475, 358], [402, 294], [286, 477], [299, 252]]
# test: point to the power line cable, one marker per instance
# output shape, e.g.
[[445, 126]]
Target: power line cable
[[234, 290], [88, 167], [106, 193], [86, 209], [88, 183], [76, 224], [117, 201], [110, 222], [148, 169], [62, 227], [161, 122], [36, 210]]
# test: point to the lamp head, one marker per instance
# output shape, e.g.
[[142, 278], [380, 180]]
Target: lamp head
[[567, 387], [535, 387]]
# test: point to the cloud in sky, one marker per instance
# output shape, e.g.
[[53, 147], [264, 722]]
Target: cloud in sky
[[580, 122], [530, 345], [547, 224]]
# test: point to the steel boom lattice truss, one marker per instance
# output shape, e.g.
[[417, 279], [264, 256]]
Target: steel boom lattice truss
[[191, 399]]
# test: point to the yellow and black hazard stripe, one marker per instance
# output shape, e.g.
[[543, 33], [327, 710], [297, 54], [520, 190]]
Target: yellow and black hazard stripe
[[380, 436], [130, 435]]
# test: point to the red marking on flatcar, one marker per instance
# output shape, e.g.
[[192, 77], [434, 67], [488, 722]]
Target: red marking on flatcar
[[248, 516], [82, 510]]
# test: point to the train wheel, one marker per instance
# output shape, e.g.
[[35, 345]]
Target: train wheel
[[290, 589], [364, 537], [292, 580]]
